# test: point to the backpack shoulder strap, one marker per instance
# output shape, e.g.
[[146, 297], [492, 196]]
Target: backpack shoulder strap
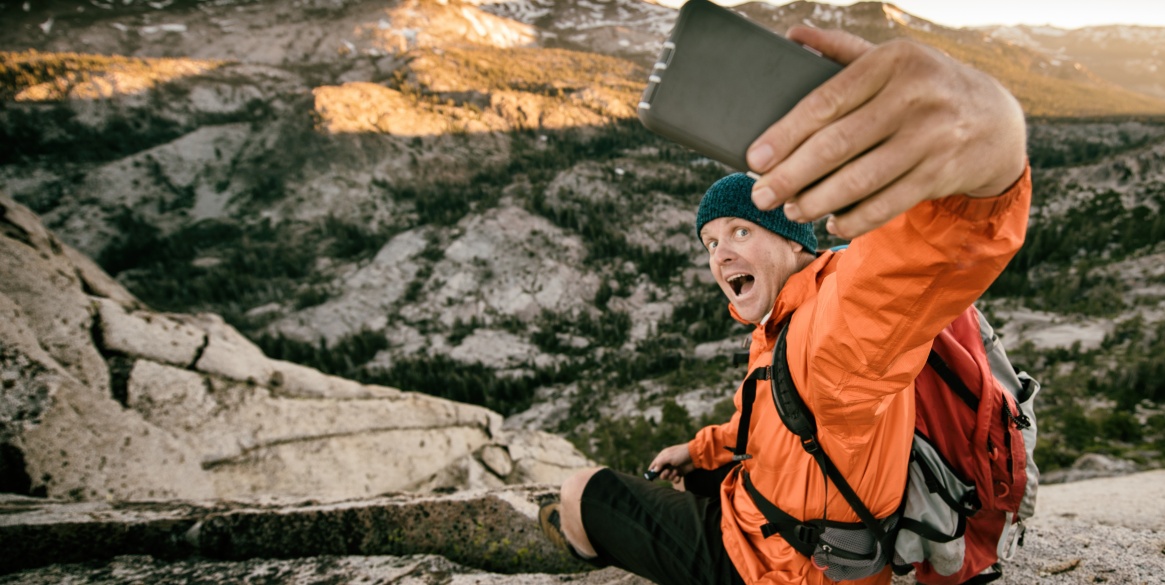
[[794, 413], [800, 421]]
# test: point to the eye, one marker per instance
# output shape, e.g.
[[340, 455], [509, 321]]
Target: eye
[[710, 244], [740, 232]]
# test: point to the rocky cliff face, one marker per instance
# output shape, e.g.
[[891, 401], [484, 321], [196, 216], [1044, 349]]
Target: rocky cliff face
[[104, 398]]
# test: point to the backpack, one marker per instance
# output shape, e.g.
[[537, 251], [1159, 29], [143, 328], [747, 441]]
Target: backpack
[[972, 479]]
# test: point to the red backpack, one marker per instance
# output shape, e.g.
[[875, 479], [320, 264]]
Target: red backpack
[[972, 479]]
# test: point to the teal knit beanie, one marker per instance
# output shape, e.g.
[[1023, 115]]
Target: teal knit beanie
[[732, 197]]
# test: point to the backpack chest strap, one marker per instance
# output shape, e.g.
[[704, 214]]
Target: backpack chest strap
[[748, 397]]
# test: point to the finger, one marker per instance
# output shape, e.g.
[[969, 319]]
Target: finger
[[890, 152], [836, 98], [882, 207], [810, 175], [660, 462], [838, 45]]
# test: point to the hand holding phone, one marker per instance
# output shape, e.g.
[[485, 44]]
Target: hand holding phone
[[900, 124]]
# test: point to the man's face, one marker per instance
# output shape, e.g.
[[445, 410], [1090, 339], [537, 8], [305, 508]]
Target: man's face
[[750, 263]]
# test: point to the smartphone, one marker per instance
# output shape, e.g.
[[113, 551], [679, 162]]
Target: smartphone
[[722, 79]]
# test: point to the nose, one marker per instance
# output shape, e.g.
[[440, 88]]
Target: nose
[[723, 254]]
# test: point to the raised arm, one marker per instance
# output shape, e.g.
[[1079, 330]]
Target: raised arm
[[926, 159], [901, 124]]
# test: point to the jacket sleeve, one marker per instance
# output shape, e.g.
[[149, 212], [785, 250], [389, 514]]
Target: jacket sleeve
[[895, 288], [712, 446]]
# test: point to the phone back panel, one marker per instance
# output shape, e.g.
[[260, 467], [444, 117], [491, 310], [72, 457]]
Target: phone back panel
[[722, 80]]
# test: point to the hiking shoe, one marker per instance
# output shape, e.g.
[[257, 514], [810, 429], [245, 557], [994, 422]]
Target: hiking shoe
[[550, 517]]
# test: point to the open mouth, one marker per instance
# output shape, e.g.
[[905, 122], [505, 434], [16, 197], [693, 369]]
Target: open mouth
[[740, 283]]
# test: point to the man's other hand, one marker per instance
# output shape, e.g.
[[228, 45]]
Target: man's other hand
[[673, 463], [902, 123]]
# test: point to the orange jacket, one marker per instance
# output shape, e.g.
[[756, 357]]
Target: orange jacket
[[861, 332]]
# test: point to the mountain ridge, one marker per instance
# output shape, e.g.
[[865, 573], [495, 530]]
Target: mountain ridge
[[622, 28]]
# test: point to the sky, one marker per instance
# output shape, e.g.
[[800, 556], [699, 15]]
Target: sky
[[1059, 13]]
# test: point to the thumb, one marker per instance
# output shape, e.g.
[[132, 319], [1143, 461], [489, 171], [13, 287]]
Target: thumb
[[660, 462], [835, 44], [666, 458]]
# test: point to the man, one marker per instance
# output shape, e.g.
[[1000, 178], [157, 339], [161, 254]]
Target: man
[[926, 158]]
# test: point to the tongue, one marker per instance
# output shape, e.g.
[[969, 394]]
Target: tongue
[[745, 287]]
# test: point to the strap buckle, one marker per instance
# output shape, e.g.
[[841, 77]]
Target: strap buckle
[[807, 534], [971, 503], [741, 457], [811, 445]]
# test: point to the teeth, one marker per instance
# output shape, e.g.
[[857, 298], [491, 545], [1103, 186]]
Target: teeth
[[737, 281]]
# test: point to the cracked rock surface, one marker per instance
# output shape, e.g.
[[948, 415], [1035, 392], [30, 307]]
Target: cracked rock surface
[[386, 570], [482, 537], [493, 530]]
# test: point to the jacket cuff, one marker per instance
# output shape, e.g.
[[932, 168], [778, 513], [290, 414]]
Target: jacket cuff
[[982, 208], [705, 450]]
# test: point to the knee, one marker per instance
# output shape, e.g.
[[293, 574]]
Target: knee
[[571, 511], [572, 488]]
